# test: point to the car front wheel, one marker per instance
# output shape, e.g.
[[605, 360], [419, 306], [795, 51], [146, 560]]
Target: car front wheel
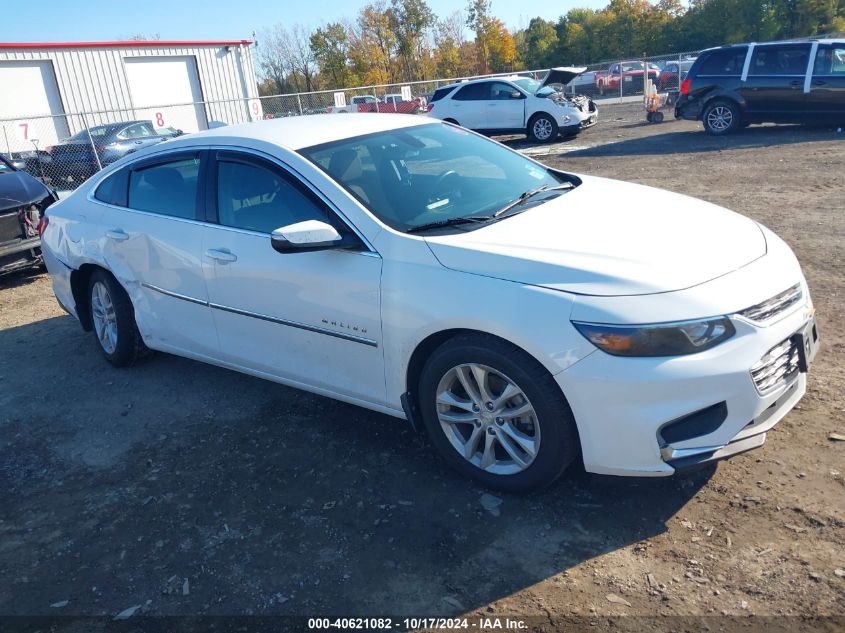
[[542, 128], [113, 319], [496, 415], [720, 118]]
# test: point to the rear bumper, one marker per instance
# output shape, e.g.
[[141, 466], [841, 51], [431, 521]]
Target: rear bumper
[[60, 278], [687, 109]]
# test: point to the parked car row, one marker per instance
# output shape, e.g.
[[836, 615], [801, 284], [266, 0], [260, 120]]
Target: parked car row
[[392, 103]]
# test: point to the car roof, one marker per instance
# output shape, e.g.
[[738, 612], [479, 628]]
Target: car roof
[[295, 133]]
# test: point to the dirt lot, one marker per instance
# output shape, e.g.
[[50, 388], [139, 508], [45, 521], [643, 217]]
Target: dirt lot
[[186, 489]]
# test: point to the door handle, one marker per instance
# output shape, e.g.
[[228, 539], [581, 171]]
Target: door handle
[[819, 82], [797, 84], [118, 235], [221, 256]]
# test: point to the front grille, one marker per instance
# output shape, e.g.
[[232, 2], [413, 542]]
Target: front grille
[[775, 305], [777, 366]]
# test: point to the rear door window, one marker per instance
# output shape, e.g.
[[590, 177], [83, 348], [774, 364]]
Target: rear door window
[[168, 188], [782, 60], [474, 92], [726, 62]]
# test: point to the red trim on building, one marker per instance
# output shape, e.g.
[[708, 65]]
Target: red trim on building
[[129, 44]]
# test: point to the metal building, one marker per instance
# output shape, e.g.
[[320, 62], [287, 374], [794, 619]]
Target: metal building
[[58, 89]]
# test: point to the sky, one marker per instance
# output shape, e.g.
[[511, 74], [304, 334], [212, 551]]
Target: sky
[[103, 20]]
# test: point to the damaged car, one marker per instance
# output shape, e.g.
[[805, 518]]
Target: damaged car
[[23, 201], [512, 105]]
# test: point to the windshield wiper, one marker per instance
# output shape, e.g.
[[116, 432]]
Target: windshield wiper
[[466, 219], [530, 194]]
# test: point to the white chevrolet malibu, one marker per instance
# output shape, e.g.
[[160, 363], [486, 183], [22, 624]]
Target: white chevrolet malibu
[[526, 317]]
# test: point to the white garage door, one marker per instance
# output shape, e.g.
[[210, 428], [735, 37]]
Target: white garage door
[[29, 95], [160, 81]]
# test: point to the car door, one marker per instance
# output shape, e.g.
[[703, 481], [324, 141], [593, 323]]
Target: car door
[[506, 107], [826, 98], [774, 87], [469, 105], [311, 318], [151, 242]]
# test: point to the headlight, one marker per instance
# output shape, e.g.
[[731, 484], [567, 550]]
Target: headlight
[[660, 339]]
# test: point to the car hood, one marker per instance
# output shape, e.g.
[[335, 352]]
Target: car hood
[[17, 188], [562, 75], [608, 238]]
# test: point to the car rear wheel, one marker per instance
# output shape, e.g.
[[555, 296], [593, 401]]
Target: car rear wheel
[[720, 118], [496, 415], [542, 128], [113, 319]]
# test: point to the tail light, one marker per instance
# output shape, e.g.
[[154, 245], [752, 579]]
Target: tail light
[[429, 107], [685, 85], [42, 224]]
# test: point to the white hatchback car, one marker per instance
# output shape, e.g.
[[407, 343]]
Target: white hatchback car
[[526, 317], [517, 105]]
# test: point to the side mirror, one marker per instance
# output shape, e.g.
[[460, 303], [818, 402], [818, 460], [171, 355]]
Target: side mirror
[[516, 94], [310, 235]]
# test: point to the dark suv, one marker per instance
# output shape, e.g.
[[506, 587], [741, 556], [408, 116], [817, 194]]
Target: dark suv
[[779, 82]]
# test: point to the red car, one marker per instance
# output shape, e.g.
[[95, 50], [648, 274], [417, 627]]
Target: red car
[[669, 79], [629, 74]]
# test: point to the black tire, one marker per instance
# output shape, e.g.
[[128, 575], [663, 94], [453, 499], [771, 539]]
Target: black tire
[[129, 344], [657, 117], [601, 88], [649, 116], [721, 117], [559, 444], [550, 124]]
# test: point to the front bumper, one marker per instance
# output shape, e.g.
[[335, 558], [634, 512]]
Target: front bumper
[[621, 404], [574, 120]]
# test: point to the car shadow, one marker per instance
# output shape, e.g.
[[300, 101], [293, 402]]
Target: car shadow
[[266, 500], [696, 141]]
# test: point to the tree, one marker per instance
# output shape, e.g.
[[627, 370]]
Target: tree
[[479, 20], [501, 47], [541, 44], [285, 57], [330, 46], [410, 21]]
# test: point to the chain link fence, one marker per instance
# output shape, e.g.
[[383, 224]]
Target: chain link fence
[[64, 150]]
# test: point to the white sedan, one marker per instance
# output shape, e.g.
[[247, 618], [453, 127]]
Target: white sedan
[[525, 317]]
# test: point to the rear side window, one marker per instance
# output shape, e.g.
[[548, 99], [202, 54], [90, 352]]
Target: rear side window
[[474, 92], [723, 62], [830, 60], [113, 189], [441, 92], [167, 188], [784, 59]]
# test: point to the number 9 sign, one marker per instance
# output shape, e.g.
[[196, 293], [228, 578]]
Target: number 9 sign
[[256, 111]]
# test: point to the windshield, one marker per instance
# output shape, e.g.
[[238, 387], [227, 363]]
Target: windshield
[[429, 173], [531, 86]]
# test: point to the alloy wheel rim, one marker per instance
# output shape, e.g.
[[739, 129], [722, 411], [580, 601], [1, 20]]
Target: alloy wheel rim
[[720, 118], [488, 419], [105, 319], [542, 129]]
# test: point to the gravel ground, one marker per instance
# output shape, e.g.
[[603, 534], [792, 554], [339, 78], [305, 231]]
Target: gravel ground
[[185, 489]]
